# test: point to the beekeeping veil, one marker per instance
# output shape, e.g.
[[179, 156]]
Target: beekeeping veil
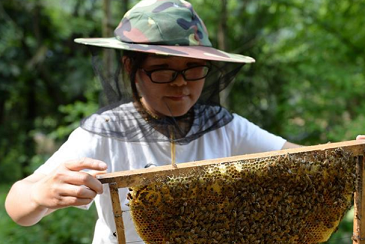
[[160, 27]]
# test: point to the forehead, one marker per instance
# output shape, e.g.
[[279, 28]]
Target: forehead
[[171, 60]]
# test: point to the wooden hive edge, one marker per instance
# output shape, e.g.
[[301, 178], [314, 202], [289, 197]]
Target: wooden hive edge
[[145, 176]]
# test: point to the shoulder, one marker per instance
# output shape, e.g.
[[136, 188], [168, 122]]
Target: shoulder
[[240, 124], [111, 113], [80, 134], [81, 140], [243, 127], [250, 138], [112, 121]]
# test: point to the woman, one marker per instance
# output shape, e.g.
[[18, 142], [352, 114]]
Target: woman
[[175, 79]]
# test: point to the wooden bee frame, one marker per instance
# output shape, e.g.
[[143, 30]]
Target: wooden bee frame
[[359, 204], [132, 178]]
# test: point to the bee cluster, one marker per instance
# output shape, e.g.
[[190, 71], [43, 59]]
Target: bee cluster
[[286, 199]]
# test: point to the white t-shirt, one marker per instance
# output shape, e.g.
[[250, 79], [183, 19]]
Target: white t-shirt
[[236, 138]]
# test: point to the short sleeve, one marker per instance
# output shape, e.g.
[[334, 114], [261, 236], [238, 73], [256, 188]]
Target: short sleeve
[[247, 137]]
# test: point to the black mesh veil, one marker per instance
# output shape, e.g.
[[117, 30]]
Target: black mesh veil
[[123, 117]]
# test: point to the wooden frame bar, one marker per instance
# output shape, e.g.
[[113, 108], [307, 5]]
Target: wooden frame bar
[[145, 176], [359, 206], [118, 213]]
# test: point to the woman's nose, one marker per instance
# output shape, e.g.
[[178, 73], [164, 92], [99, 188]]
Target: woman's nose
[[179, 81]]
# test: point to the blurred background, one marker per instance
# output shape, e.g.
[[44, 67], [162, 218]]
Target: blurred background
[[307, 84]]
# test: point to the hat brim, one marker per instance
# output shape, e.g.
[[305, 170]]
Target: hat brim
[[198, 52]]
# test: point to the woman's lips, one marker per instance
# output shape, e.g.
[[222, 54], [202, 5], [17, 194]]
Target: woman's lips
[[177, 97]]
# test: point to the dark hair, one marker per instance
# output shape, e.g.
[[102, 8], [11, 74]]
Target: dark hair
[[136, 59]]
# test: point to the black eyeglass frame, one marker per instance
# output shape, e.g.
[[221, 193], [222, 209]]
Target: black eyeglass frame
[[176, 74]]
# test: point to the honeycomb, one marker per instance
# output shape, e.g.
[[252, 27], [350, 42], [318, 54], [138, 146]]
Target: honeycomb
[[284, 199]]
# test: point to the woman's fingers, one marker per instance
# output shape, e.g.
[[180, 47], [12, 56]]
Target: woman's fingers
[[60, 193], [75, 177], [83, 179], [81, 192], [94, 173], [86, 163], [67, 201], [69, 185]]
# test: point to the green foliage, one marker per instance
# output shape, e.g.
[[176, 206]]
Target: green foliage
[[308, 82], [63, 226], [36, 82]]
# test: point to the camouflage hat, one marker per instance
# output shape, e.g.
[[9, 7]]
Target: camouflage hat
[[165, 27]]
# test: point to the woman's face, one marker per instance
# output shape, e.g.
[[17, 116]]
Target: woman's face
[[168, 99]]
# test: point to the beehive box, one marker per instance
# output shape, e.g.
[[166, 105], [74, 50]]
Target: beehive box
[[288, 196]]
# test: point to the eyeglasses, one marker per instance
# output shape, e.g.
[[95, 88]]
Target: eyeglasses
[[169, 75]]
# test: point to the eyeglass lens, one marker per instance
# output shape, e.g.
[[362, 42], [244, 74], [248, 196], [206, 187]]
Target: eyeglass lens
[[169, 75]]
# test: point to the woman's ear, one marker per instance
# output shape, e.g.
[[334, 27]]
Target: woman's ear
[[127, 64], [126, 61]]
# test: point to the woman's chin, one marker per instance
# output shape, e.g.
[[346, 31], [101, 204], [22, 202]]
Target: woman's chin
[[176, 112]]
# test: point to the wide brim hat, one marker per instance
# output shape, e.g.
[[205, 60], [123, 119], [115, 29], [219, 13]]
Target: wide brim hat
[[164, 27]]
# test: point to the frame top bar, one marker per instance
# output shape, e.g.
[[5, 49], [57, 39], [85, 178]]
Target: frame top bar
[[143, 176]]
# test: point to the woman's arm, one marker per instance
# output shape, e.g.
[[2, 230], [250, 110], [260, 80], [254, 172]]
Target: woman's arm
[[32, 198]]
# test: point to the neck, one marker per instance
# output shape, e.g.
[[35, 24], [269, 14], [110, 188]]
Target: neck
[[148, 111], [177, 127]]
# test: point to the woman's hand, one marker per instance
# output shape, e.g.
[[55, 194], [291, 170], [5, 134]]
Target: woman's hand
[[30, 199], [68, 185]]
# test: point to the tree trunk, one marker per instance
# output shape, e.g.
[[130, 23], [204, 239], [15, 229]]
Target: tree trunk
[[125, 5], [222, 45], [107, 31]]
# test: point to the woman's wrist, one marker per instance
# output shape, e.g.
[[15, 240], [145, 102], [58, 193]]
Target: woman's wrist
[[34, 202]]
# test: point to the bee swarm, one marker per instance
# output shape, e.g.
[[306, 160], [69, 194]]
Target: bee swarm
[[284, 199]]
